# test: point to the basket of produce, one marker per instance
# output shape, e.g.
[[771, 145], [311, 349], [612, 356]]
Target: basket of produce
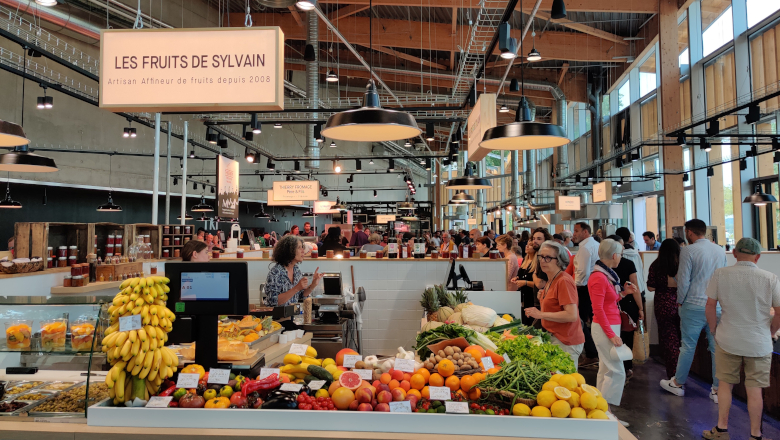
[[453, 358], [21, 265]]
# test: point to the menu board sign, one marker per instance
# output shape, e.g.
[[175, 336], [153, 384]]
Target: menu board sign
[[383, 218], [286, 190], [568, 203], [273, 202], [227, 188], [602, 192], [209, 69]]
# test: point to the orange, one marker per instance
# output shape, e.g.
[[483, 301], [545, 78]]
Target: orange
[[393, 384], [478, 348], [479, 377], [474, 353], [385, 378], [342, 398], [333, 387], [467, 382], [414, 392], [453, 383], [407, 376], [425, 393], [436, 380], [446, 368], [417, 381], [475, 394], [493, 370], [424, 373], [405, 385]]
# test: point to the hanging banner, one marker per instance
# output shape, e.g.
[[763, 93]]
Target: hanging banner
[[227, 188], [323, 207], [273, 202], [566, 203], [602, 192], [481, 118], [210, 69], [296, 190]]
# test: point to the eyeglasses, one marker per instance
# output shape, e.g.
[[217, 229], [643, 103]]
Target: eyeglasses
[[547, 259]]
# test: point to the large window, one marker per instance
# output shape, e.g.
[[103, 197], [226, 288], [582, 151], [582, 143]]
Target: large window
[[647, 77], [649, 117], [765, 64], [690, 204], [768, 216], [684, 59], [624, 96], [720, 87], [716, 24], [758, 10], [725, 214]]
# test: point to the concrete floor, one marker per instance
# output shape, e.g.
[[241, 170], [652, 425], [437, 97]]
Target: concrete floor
[[655, 414]]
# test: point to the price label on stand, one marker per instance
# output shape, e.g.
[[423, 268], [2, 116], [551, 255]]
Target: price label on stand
[[187, 380], [440, 393], [316, 384], [405, 365], [159, 402], [351, 359], [299, 349], [219, 376], [457, 407], [129, 323], [294, 387], [265, 372], [365, 374], [487, 362], [401, 407], [506, 358]]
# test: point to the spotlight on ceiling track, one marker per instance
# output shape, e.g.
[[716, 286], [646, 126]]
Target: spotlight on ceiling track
[[297, 167], [710, 173], [277, 125], [332, 77], [390, 165], [506, 44], [358, 165], [318, 133], [754, 114], [249, 155], [270, 164], [333, 144], [222, 142], [407, 144], [503, 109], [375, 194], [430, 132], [306, 5], [211, 136], [336, 166]]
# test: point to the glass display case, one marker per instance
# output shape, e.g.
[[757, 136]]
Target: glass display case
[[61, 337]]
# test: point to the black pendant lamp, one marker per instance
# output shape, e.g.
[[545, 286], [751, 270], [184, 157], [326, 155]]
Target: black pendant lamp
[[338, 205], [262, 213], [8, 202], [186, 217], [110, 206], [760, 198], [371, 123], [558, 10], [525, 134], [461, 198], [468, 181], [202, 206], [22, 161]]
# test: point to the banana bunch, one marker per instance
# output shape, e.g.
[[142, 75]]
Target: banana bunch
[[139, 359]]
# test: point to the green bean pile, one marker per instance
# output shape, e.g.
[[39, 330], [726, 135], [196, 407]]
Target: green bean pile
[[516, 380]]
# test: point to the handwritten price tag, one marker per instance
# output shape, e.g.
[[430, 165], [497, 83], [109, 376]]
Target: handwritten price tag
[[159, 402], [401, 407], [316, 384], [294, 387], [219, 376], [506, 358], [405, 365], [457, 407], [299, 349], [187, 380], [365, 374], [440, 393], [265, 372], [487, 362], [351, 359], [129, 323]]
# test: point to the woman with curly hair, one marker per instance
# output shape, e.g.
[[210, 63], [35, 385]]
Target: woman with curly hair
[[286, 284]]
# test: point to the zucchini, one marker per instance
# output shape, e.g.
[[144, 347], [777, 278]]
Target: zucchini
[[320, 373]]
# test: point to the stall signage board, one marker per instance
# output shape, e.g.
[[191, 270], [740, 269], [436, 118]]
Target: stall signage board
[[294, 387], [365, 374], [323, 207], [472, 221], [273, 202], [128, 323], [220, 376], [208, 69], [456, 407], [316, 384], [481, 118], [265, 372], [187, 380], [602, 192], [506, 358], [159, 402], [383, 218], [299, 349], [351, 359], [287, 190], [440, 393], [488, 363], [405, 365], [227, 188], [401, 407], [568, 203]]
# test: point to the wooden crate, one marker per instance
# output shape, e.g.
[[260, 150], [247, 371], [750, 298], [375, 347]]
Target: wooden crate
[[32, 239], [184, 238], [113, 272], [153, 231], [101, 231]]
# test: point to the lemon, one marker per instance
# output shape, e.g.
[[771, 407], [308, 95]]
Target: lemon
[[560, 409], [578, 390], [597, 414], [327, 362], [550, 385], [574, 400], [568, 381], [562, 393], [601, 403], [321, 393], [540, 411], [547, 398], [556, 377], [578, 413], [590, 390], [331, 368], [578, 376], [588, 401], [336, 374], [521, 409]]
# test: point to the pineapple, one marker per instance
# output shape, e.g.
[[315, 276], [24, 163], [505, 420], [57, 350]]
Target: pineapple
[[461, 297], [430, 304], [445, 299]]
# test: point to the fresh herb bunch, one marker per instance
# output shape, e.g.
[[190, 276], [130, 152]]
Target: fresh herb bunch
[[529, 330], [548, 357]]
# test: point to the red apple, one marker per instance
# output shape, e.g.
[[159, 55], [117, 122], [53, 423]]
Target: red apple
[[383, 407], [354, 405], [384, 397], [343, 368], [365, 407], [364, 395]]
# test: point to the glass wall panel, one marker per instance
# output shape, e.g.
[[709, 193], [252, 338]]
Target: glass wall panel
[[716, 24], [684, 59], [720, 91], [765, 64], [647, 76], [648, 113], [758, 10], [624, 98]]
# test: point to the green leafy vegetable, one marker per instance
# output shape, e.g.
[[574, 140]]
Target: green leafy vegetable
[[546, 356]]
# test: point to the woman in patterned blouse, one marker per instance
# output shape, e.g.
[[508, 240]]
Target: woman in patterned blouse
[[285, 284]]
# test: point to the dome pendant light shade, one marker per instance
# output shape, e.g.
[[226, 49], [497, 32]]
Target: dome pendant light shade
[[468, 181], [558, 10], [110, 206], [8, 202], [20, 160], [306, 5], [12, 135], [371, 123], [46, 2], [760, 198], [462, 198], [340, 206], [186, 217], [332, 77], [262, 213], [534, 55], [524, 134], [202, 206]]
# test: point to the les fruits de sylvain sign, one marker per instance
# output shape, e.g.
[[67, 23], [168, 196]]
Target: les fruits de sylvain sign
[[220, 69]]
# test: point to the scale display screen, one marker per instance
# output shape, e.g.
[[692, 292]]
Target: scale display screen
[[205, 286]]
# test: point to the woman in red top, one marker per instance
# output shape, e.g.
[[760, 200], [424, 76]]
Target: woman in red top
[[559, 302], [603, 286]]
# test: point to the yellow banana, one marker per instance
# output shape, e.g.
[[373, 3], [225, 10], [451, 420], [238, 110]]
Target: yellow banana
[[134, 282], [120, 340], [117, 368], [133, 335], [136, 311], [160, 333], [166, 357], [137, 290], [155, 321], [166, 289], [124, 284], [111, 393], [140, 357], [104, 349], [110, 380], [148, 298], [120, 385], [145, 345], [130, 364], [142, 335], [160, 302], [108, 341], [139, 302], [150, 332], [153, 291], [147, 320], [142, 283], [153, 310], [153, 344], [111, 309], [117, 301], [158, 381], [122, 309], [136, 347], [128, 390], [144, 372], [150, 387], [134, 296], [165, 280], [148, 359], [115, 352], [136, 370], [125, 348]]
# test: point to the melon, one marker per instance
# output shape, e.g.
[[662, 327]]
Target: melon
[[459, 308], [351, 380], [456, 318], [444, 314], [430, 325]]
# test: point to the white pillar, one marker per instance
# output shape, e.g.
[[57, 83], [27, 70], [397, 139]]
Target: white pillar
[[156, 168], [184, 176], [168, 181]]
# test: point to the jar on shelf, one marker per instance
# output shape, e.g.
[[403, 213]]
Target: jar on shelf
[[117, 249], [67, 282], [62, 251], [166, 229], [111, 239], [147, 239], [75, 270], [240, 253], [188, 230], [77, 281], [166, 253], [177, 253], [153, 269], [49, 263], [73, 251], [177, 229], [110, 249], [215, 254], [118, 240], [493, 254], [71, 261], [50, 251], [62, 262], [176, 241], [166, 241]]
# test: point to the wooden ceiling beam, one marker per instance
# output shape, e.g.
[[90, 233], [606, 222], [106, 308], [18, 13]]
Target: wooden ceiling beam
[[296, 15], [585, 29], [408, 57], [626, 6], [346, 12], [564, 69]]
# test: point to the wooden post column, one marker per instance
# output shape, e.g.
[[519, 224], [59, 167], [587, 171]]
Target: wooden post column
[[674, 205]]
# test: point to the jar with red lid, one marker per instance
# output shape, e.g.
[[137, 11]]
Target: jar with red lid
[[71, 261], [75, 270], [166, 241], [176, 253], [111, 239], [62, 251], [166, 253], [67, 282], [49, 263], [176, 241]]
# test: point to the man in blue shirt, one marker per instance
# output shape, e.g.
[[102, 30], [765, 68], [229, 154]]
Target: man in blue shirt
[[698, 261], [650, 241]]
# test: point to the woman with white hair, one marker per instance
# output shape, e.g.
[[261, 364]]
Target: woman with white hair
[[605, 292], [559, 301]]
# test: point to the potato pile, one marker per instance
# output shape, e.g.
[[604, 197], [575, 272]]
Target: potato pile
[[462, 361]]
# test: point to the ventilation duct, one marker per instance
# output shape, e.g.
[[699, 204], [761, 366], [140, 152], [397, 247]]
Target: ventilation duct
[[605, 211], [312, 90], [631, 189]]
